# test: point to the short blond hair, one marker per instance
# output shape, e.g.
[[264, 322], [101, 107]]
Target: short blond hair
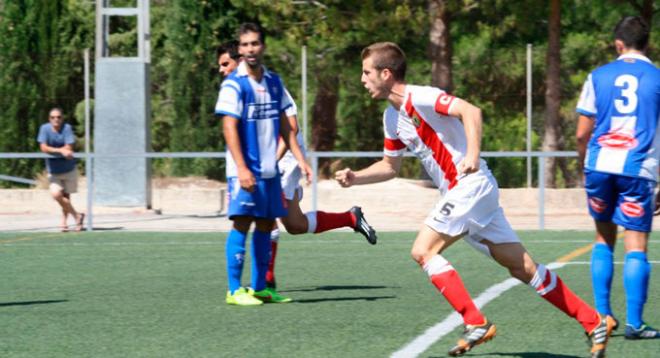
[[387, 55]]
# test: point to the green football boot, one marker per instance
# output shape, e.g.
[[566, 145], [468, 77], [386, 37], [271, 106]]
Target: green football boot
[[269, 295], [242, 297]]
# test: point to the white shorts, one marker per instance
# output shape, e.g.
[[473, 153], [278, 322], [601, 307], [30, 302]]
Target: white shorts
[[63, 182], [290, 175], [472, 208]]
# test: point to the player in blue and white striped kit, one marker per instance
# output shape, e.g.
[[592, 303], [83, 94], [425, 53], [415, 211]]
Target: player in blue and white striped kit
[[618, 144], [252, 105]]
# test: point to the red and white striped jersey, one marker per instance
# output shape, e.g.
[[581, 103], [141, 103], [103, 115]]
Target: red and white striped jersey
[[424, 126]]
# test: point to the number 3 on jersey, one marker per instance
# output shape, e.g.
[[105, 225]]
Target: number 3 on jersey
[[628, 85]]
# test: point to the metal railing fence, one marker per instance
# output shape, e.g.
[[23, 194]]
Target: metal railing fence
[[313, 157]]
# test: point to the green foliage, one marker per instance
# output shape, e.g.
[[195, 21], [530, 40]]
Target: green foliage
[[41, 66], [41, 44]]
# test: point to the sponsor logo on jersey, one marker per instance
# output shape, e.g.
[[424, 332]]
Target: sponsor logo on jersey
[[597, 204], [632, 209], [618, 140]]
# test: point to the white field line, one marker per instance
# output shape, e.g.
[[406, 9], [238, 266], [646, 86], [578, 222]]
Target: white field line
[[435, 333], [221, 241]]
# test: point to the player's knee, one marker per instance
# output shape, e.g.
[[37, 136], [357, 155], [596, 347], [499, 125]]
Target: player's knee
[[295, 227], [242, 224], [419, 255], [264, 225], [524, 271]]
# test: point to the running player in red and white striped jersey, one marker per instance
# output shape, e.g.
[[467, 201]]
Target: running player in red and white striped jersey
[[444, 132]]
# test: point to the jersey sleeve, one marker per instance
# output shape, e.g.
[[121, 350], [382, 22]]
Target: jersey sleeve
[[292, 110], [587, 102], [392, 145], [69, 138], [229, 103], [41, 138], [444, 103]]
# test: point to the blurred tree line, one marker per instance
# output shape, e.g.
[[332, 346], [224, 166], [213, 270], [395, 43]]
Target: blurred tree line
[[476, 49]]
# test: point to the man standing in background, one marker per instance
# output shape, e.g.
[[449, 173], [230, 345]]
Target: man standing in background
[[56, 137]]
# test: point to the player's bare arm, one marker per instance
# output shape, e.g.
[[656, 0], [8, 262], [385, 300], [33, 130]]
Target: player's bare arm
[[585, 127], [384, 169], [281, 146], [289, 138], [66, 151], [230, 132], [471, 117]]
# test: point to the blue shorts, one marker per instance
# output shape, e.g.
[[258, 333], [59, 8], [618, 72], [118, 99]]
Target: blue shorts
[[266, 201], [624, 200]]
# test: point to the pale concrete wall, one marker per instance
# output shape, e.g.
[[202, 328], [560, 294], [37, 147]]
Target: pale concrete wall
[[398, 204]]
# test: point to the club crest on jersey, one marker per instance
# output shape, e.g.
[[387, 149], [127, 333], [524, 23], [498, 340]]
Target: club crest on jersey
[[632, 209], [618, 140], [415, 120], [597, 204]]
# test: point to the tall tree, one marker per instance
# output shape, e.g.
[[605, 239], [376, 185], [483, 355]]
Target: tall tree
[[553, 127], [646, 9], [41, 45], [192, 30], [440, 44]]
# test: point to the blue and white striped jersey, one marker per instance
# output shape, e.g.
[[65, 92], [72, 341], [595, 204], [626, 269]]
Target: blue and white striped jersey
[[624, 98], [257, 106]]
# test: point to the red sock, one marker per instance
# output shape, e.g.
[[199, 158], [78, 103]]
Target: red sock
[[552, 289], [449, 283], [328, 221], [270, 274]]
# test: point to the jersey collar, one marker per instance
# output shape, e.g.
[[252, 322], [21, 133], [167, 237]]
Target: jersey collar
[[636, 56], [241, 71]]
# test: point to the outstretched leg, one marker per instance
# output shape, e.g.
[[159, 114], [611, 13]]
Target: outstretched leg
[[297, 222], [426, 252], [550, 287]]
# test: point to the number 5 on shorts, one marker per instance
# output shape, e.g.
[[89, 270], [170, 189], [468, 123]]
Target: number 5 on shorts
[[446, 209]]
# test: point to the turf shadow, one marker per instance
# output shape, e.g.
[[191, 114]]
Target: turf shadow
[[30, 303], [336, 288], [336, 299]]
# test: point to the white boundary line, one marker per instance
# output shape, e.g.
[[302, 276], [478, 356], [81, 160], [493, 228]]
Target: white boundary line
[[435, 333], [420, 344]]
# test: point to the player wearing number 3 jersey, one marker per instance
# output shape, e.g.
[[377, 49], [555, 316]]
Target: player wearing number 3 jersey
[[618, 144], [444, 132]]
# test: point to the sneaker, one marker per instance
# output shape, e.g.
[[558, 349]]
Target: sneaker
[[362, 226], [269, 295], [644, 332], [241, 297], [600, 335], [472, 336]]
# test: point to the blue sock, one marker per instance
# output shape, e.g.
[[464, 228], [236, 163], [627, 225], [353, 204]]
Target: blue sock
[[235, 252], [636, 273], [602, 270], [260, 257]]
